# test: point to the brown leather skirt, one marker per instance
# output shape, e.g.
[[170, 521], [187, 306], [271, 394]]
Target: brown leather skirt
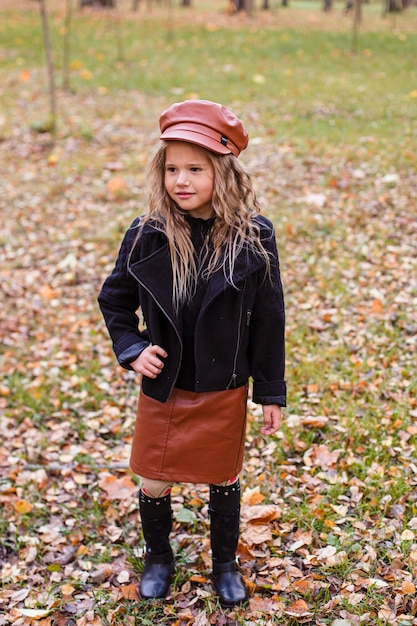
[[193, 437]]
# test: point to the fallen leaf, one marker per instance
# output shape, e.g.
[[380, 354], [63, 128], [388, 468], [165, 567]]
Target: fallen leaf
[[299, 608], [301, 538], [116, 185], [303, 586], [257, 604], [197, 578], [23, 507], [34, 613], [408, 587], [123, 577], [252, 496], [407, 535], [261, 513], [129, 592], [118, 488], [377, 307], [256, 534], [67, 589]]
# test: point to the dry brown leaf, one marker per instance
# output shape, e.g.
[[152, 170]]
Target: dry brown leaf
[[301, 538], [282, 583], [299, 608], [317, 421], [47, 292], [67, 589], [257, 604], [252, 496], [303, 586], [407, 587], [256, 534], [118, 488], [322, 456], [116, 185], [23, 507], [197, 578], [129, 592], [261, 513], [377, 307], [35, 614]]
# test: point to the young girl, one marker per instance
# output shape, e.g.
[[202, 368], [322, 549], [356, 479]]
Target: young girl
[[202, 265]]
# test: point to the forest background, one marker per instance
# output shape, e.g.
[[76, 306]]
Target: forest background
[[329, 527]]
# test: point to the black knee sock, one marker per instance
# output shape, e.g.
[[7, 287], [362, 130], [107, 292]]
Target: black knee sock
[[224, 511], [225, 499], [156, 517]]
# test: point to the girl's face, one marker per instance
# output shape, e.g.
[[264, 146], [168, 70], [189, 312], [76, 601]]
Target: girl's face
[[189, 178]]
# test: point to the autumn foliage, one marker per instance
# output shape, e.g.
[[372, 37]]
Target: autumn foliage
[[329, 518]]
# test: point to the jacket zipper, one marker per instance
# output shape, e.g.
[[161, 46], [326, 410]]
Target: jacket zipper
[[232, 381], [172, 324]]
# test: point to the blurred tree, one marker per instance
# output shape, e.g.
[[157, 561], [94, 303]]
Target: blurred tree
[[50, 126], [357, 18], [395, 6], [103, 3], [67, 45], [244, 5]]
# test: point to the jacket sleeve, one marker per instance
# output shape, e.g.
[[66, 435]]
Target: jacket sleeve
[[267, 333], [119, 301]]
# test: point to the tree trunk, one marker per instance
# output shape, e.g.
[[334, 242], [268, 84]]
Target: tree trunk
[[49, 65], [103, 3], [357, 18], [239, 5], [67, 45], [395, 6], [119, 36]]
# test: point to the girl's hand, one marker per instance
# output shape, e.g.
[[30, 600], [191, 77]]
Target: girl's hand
[[148, 362], [272, 419]]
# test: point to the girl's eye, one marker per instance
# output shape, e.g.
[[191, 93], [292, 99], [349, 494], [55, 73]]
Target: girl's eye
[[170, 169], [195, 169]]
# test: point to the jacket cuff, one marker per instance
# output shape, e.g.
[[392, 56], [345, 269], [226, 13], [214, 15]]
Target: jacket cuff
[[131, 354], [270, 393]]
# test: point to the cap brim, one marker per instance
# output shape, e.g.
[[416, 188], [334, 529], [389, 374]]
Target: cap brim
[[185, 134]]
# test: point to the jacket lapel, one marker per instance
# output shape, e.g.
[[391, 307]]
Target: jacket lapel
[[246, 264], [154, 273]]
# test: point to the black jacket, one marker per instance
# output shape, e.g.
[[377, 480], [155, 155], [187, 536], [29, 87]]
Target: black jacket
[[239, 332]]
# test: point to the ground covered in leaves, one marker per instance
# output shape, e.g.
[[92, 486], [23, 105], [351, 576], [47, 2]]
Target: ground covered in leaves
[[329, 524]]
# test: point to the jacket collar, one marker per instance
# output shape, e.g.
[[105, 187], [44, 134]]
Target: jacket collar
[[154, 273]]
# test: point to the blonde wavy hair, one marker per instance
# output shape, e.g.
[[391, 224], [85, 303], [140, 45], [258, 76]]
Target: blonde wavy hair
[[234, 204]]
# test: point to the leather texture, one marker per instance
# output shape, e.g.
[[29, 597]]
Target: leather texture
[[229, 584], [193, 437]]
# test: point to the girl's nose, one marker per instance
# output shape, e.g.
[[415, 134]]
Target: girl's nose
[[182, 178]]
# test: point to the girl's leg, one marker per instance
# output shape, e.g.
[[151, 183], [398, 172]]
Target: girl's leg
[[155, 488], [224, 509], [156, 517]]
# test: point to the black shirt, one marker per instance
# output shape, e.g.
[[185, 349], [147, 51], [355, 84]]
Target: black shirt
[[200, 230]]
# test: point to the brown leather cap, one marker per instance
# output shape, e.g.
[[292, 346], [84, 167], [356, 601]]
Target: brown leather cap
[[206, 124]]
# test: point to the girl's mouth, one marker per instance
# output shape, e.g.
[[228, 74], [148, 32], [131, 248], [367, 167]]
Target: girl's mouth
[[184, 195]]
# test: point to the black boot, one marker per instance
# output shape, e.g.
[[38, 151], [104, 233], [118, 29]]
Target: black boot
[[156, 517], [224, 511]]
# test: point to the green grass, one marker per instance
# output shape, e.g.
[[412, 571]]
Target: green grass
[[309, 88], [322, 121]]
